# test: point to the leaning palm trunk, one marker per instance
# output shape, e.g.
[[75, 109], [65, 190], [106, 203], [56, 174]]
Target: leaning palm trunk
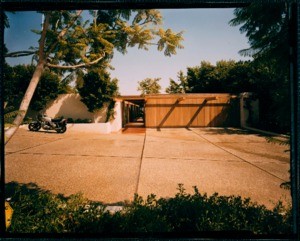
[[32, 85], [42, 63], [93, 43], [25, 102]]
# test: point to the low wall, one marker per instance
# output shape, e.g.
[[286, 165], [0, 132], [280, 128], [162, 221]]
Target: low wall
[[101, 128], [70, 106]]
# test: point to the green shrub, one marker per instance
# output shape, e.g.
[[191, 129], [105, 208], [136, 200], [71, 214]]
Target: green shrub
[[39, 211], [186, 212], [82, 120], [70, 120]]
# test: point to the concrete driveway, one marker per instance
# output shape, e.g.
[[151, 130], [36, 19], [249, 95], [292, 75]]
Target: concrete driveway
[[112, 167]]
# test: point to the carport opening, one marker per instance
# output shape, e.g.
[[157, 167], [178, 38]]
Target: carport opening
[[133, 112]]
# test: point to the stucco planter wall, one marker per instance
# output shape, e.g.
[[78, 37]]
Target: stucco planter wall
[[103, 128], [70, 106]]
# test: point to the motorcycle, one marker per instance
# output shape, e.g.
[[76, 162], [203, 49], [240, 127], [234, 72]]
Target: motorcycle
[[47, 123]]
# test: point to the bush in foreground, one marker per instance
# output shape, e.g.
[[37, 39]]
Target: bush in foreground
[[38, 211]]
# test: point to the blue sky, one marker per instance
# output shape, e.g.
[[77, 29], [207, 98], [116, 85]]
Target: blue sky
[[207, 36]]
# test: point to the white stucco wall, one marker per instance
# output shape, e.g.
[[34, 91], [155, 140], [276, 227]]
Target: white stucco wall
[[70, 106], [116, 123], [101, 128]]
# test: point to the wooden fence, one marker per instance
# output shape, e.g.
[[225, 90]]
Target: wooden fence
[[191, 110]]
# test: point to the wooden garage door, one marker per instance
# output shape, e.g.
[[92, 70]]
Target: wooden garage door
[[191, 110]]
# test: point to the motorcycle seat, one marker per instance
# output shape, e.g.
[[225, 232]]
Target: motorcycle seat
[[57, 119]]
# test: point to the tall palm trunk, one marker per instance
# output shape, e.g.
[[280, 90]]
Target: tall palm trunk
[[26, 101], [32, 85]]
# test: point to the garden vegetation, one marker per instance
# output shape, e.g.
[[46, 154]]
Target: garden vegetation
[[39, 211]]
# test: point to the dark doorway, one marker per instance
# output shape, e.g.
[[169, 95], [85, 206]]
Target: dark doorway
[[133, 112]]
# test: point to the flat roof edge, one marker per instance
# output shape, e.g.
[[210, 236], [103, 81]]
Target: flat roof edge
[[168, 96]]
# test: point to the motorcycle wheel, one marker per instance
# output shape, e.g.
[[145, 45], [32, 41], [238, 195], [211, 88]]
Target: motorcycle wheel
[[34, 126], [62, 129]]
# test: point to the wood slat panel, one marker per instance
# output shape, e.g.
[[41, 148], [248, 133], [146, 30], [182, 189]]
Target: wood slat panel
[[190, 111]]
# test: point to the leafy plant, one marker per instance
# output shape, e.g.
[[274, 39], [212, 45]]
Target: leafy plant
[[267, 29], [16, 81], [97, 89], [68, 42], [39, 211], [71, 120], [279, 141], [233, 77], [282, 142], [9, 117], [149, 86]]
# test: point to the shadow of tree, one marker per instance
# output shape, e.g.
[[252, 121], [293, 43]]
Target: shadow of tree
[[228, 131], [14, 188]]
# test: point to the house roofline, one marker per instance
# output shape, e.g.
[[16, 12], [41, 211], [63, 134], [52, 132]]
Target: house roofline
[[171, 96]]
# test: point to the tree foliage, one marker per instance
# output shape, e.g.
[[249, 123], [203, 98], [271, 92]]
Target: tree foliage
[[97, 90], [16, 81], [267, 28], [72, 42], [68, 42], [149, 86], [179, 86], [139, 30], [224, 77], [237, 77]]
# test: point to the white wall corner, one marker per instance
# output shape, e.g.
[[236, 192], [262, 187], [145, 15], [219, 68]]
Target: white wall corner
[[116, 123]]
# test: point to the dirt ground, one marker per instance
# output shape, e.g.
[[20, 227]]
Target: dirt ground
[[112, 167]]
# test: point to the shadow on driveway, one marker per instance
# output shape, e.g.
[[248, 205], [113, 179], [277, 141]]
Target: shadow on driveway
[[111, 167]]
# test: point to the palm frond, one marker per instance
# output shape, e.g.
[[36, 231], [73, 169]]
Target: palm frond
[[286, 185], [281, 141], [8, 125], [10, 115]]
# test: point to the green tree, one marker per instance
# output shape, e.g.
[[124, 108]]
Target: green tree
[[138, 30], [267, 28], [203, 79], [246, 76], [97, 90], [178, 87], [229, 77], [67, 42], [15, 83], [149, 86]]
